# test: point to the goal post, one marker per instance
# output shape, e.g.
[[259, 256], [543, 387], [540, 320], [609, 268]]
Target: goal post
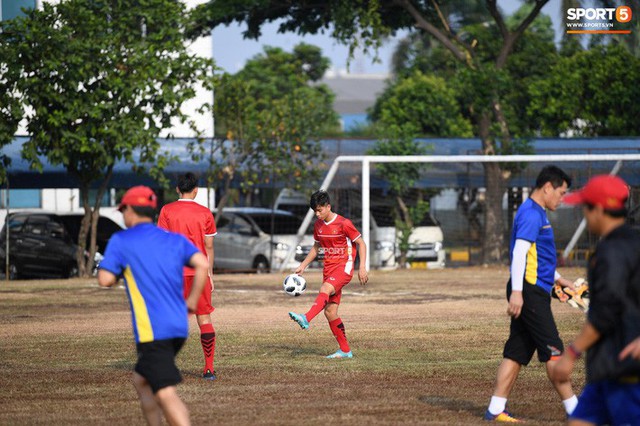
[[367, 160]]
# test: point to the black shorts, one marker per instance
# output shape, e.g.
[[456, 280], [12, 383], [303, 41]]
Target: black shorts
[[156, 362], [535, 328]]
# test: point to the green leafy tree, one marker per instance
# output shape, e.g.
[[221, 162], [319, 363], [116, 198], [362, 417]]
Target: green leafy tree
[[425, 101], [99, 81], [401, 140], [593, 93], [270, 116], [365, 23]]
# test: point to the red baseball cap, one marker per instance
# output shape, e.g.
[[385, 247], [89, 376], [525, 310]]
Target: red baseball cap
[[139, 196], [608, 191]]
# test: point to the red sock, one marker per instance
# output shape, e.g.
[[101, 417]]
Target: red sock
[[337, 328], [320, 303], [208, 341]]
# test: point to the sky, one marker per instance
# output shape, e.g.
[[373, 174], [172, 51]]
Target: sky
[[231, 50]]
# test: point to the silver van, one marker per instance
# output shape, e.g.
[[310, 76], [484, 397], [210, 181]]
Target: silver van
[[257, 239]]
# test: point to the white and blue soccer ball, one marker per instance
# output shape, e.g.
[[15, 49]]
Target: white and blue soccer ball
[[294, 285]]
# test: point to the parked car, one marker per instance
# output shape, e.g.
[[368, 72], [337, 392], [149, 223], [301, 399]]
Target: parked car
[[257, 239], [426, 247], [106, 228], [43, 244]]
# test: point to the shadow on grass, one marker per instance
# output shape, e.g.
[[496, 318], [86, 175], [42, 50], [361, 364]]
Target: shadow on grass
[[452, 404]]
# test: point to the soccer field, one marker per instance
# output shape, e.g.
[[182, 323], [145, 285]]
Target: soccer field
[[427, 344]]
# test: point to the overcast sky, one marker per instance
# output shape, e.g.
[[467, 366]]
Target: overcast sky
[[231, 51]]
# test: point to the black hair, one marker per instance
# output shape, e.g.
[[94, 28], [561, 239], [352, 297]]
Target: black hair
[[187, 183], [555, 175], [617, 213], [144, 211], [319, 198]]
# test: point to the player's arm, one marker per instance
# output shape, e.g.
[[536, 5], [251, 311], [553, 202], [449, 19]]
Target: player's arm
[[363, 276], [632, 349], [559, 279], [307, 260], [201, 266], [208, 247], [588, 336], [106, 278], [518, 265]]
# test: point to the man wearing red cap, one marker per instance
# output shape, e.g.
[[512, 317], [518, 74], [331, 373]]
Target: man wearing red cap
[[612, 392], [195, 222], [159, 312]]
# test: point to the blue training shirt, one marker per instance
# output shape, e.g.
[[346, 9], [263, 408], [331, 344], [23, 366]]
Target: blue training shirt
[[531, 224], [151, 260]]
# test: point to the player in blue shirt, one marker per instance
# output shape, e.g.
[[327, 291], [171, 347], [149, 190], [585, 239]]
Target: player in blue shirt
[[151, 261], [533, 274]]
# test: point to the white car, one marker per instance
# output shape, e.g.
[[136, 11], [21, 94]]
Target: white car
[[426, 248], [257, 239]]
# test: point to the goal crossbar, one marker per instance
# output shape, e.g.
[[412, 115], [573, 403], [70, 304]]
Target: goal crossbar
[[366, 161]]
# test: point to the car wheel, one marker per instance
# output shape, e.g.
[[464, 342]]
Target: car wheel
[[261, 265], [72, 271], [13, 272]]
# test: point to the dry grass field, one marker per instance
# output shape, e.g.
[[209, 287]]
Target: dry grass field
[[427, 344]]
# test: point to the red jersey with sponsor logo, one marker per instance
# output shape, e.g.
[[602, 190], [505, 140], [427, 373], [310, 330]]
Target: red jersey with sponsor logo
[[337, 240], [190, 219]]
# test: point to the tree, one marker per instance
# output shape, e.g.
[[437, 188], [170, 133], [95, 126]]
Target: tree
[[270, 116], [99, 81], [364, 23], [425, 101], [593, 93], [401, 140]]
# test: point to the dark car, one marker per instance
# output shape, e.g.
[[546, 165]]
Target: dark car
[[42, 245]]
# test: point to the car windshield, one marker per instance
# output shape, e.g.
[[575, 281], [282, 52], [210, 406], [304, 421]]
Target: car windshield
[[282, 224]]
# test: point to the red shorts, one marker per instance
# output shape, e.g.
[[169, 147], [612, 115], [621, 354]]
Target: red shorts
[[204, 302], [338, 275]]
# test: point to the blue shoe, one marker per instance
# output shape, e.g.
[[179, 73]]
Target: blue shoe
[[340, 354], [504, 417], [208, 375], [300, 319]]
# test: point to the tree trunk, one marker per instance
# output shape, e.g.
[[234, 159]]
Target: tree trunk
[[493, 238], [84, 230], [493, 245]]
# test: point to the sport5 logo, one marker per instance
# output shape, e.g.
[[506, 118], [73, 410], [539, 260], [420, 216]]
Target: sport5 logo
[[621, 14]]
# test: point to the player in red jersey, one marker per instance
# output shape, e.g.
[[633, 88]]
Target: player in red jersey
[[195, 222], [338, 238]]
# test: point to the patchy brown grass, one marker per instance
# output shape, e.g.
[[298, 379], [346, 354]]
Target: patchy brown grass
[[427, 345]]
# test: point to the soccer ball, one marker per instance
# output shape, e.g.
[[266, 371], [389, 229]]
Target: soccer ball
[[294, 285]]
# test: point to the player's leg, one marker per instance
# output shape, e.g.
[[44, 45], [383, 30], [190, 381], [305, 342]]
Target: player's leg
[[517, 352], [150, 408], [337, 327], [175, 411], [207, 331], [539, 320], [303, 320], [208, 342]]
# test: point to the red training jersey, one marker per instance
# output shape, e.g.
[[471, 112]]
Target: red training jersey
[[336, 238], [190, 219]]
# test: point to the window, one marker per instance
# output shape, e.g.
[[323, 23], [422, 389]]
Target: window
[[21, 198], [106, 197], [282, 224]]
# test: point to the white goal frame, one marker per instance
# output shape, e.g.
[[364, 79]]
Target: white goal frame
[[366, 161]]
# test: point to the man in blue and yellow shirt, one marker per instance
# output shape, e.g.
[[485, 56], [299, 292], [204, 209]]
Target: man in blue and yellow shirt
[[533, 274], [151, 261]]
